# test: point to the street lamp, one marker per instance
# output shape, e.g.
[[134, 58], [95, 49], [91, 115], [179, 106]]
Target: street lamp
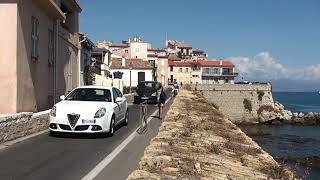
[[130, 68]]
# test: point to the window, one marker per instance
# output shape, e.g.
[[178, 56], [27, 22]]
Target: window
[[35, 38], [171, 68], [187, 70], [137, 49], [119, 93], [50, 47], [152, 63], [89, 94], [126, 51], [216, 70], [115, 94], [180, 69]]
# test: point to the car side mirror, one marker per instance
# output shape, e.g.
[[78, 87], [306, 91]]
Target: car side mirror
[[119, 99], [62, 97]]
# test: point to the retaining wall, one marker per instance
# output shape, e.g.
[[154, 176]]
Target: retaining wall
[[13, 126], [230, 99]]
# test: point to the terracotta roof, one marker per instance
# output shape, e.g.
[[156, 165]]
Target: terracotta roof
[[152, 55], [180, 63], [215, 63], [136, 64]]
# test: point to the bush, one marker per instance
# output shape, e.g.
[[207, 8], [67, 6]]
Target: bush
[[260, 95], [126, 90], [247, 104]]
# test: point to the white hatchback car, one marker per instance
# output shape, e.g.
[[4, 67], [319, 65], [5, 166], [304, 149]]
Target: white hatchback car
[[89, 109]]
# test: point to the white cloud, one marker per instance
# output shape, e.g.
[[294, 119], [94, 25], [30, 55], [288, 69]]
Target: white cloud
[[264, 67]]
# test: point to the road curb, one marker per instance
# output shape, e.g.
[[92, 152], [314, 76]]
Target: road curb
[[10, 143]]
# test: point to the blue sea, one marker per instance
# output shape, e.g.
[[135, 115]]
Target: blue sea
[[292, 141], [299, 101]]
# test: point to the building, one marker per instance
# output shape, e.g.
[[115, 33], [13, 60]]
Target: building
[[85, 59], [158, 59], [39, 53], [184, 52], [131, 71], [185, 72], [202, 72], [217, 71]]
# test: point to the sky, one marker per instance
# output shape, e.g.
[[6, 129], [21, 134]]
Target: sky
[[268, 40]]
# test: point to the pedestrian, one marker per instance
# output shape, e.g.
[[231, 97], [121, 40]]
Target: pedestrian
[[161, 98]]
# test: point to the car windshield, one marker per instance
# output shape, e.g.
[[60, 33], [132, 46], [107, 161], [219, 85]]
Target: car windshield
[[146, 84], [89, 94]]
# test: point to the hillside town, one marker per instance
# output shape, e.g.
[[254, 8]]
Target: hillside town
[[50, 57]]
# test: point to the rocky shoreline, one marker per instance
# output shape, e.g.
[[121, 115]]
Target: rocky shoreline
[[278, 115]]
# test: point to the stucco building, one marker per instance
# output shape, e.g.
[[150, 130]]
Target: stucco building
[[38, 53], [131, 71], [202, 72]]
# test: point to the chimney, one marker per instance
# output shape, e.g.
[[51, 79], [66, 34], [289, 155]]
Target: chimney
[[123, 62], [220, 62]]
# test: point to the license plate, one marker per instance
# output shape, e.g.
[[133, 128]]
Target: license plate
[[90, 121]]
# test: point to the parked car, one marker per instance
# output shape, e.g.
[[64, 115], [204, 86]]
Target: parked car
[[89, 109], [147, 90]]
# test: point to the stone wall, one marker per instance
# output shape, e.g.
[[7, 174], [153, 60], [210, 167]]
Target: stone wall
[[230, 99], [22, 124], [195, 141]]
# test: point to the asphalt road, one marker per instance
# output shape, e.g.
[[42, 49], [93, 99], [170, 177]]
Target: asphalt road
[[67, 157]]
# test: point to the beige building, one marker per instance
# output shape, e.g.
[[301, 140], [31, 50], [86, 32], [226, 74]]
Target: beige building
[[38, 53], [188, 72], [202, 72]]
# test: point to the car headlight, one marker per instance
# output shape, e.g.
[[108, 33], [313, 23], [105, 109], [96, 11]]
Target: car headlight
[[53, 111], [100, 113], [154, 94]]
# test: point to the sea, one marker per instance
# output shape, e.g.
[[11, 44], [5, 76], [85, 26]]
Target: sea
[[292, 144]]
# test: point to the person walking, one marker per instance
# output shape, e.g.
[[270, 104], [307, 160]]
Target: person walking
[[161, 98]]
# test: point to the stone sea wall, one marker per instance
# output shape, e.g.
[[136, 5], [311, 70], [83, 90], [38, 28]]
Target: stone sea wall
[[239, 102], [195, 141], [14, 126]]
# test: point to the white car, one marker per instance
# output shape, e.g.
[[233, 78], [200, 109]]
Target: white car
[[89, 109]]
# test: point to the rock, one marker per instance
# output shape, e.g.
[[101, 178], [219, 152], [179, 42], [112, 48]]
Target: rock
[[197, 167], [300, 115]]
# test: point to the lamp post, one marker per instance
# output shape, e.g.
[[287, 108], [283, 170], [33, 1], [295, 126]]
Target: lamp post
[[130, 68]]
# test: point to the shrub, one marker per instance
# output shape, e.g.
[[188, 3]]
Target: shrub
[[247, 104], [260, 95], [126, 90]]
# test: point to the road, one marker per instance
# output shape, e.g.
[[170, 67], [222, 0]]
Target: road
[[66, 157]]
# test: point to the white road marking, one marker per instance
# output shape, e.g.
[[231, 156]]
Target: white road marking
[[99, 167], [10, 143]]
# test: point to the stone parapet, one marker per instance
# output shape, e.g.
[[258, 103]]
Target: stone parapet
[[13, 126]]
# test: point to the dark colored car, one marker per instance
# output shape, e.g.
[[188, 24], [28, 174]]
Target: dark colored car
[[145, 90]]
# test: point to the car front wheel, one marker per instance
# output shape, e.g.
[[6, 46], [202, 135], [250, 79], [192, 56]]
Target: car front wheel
[[111, 129]]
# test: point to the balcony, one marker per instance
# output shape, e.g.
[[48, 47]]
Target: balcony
[[219, 74], [51, 8]]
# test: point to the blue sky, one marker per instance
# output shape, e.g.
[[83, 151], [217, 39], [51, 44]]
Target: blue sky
[[288, 31]]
